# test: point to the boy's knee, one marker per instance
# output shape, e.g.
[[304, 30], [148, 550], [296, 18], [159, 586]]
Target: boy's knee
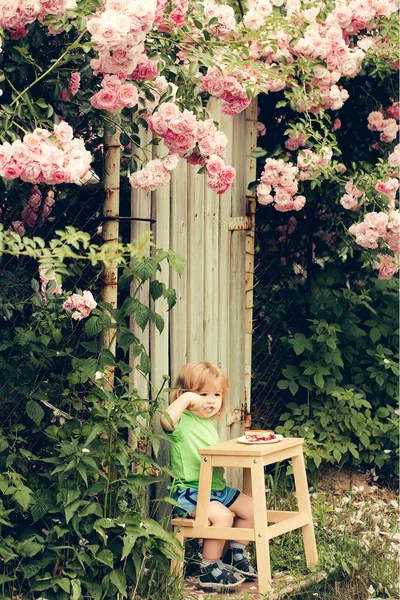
[[222, 517]]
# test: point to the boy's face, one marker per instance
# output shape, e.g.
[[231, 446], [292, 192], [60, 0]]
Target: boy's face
[[211, 393]]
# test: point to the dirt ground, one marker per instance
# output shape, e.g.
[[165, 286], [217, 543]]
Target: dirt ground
[[333, 482]]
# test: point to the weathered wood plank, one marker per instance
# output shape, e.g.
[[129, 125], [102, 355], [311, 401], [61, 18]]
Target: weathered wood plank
[[178, 243], [195, 265]]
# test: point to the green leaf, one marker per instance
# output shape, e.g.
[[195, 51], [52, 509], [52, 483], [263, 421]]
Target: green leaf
[[91, 509], [290, 372], [283, 384], [176, 262], [118, 578], [97, 429], [23, 496], [156, 289], [71, 509], [375, 334], [159, 322], [337, 455], [129, 541], [259, 153], [82, 472], [106, 557], [75, 589], [293, 387], [170, 296], [319, 380], [144, 267], [317, 460], [29, 548], [382, 412], [64, 584], [94, 325], [145, 364], [41, 506], [35, 411]]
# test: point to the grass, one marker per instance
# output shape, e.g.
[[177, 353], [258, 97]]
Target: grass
[[356, 525]]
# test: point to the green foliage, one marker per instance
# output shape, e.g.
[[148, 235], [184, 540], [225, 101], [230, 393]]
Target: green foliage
[[73, 516], [343, 374]]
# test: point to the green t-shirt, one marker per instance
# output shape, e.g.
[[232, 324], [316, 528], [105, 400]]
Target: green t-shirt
[[190, 434]]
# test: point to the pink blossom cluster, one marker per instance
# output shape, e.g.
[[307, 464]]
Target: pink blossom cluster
[[115, 95], [388, 127], [227, 87], [145, 70], [387, 265], [37, 209], [199, 142], [81, 305], [254, 19], [73, 86], [279, 185], [388, 188], [357, 15], [118, 31], [378, 226], [45, 277], [178, 14], [394, 111], [155, 174], [177, 129], [295, 140], [15, 15], [220, 176], [394, 157], [225, 15], [350, 199], [45, 157]]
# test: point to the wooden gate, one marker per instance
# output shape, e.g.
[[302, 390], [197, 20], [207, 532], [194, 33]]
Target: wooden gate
[[215, 234]]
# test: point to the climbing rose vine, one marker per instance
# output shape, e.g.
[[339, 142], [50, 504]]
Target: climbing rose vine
[[157, 62]]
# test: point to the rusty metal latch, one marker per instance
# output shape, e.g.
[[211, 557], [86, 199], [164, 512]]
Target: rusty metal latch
[[239, 223], [237, 415]]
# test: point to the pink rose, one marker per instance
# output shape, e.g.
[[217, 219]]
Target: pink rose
[[63, 132], [11, 170], [214, 164], [105, 99], [128, 95]]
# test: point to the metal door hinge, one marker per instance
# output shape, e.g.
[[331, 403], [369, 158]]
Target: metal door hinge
[[239, 223]]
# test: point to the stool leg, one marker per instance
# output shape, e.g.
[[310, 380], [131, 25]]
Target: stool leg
[[304, 504], [177, 565], [203, 500], [260, 528]]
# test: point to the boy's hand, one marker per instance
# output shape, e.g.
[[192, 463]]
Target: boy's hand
[[197, 402]]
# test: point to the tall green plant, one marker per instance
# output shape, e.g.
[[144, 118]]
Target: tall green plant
[[73, 522]]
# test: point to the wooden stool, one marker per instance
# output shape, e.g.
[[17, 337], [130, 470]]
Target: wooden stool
[[253, 459]]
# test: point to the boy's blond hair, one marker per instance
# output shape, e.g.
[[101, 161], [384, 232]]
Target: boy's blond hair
[[193, 377]]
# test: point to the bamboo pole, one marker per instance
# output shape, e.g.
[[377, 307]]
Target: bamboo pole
[[111, 184]]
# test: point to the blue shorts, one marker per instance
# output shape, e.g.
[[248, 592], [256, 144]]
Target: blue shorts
[[187, 499]]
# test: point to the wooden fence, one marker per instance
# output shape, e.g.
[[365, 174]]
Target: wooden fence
[[212, 319]]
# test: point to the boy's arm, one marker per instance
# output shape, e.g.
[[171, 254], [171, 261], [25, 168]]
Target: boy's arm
[[176, 409]]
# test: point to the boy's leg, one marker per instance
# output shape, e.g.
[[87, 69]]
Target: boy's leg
[[214, 574], [235, 556], [220, 516]]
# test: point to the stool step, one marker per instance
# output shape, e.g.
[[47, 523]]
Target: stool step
[[188, 522]]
